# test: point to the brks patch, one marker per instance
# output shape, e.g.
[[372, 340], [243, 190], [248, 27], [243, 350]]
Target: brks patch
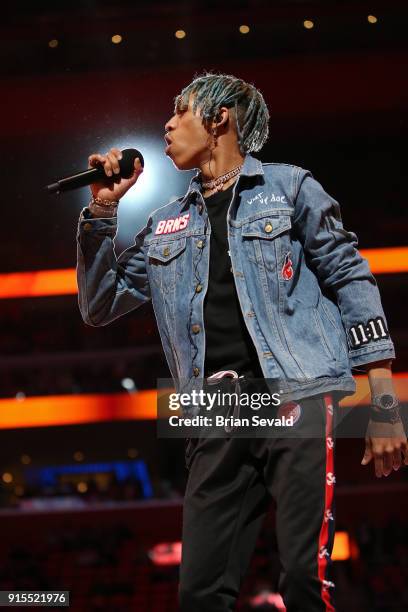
[[169, 226]]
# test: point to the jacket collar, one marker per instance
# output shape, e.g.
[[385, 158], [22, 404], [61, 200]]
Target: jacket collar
[[250, 167]]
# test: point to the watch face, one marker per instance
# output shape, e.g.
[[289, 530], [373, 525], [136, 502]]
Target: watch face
[[386, 401]]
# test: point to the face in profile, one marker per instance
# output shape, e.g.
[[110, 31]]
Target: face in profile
[[187, 138]]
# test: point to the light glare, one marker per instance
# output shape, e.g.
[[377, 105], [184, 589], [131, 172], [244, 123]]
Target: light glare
[[128, 384]]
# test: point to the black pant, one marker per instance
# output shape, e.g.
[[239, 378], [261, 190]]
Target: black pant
[[230, 485]]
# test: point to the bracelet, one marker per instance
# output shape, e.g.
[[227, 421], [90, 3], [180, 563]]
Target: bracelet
[[107, 203], [103, 210]]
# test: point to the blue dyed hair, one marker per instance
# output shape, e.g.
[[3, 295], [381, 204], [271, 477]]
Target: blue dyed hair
[[212, 91]]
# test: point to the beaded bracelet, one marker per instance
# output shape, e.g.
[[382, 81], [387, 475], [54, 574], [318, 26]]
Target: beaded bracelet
[[103, 208], [107, 203]]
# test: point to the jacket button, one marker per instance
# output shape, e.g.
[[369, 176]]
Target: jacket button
[[166, 251], [268, 228], [87, 226], [196, 372], [200, 244], [198, 288], [195, 328]]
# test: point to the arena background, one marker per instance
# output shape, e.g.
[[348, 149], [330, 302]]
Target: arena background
[[90, 498]]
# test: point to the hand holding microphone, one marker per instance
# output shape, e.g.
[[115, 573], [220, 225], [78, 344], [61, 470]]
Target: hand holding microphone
[[113, 186], [110, 175]]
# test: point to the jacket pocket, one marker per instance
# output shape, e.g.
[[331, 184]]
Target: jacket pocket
[[259, 238], [325, 341], [164, 262]]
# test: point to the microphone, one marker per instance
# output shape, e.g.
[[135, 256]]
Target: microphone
[[93, 175]]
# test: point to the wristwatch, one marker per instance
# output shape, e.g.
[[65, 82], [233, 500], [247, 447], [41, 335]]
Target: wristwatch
[[385, 408]]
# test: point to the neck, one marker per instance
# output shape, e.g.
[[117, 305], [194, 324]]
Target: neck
[[220, 163]]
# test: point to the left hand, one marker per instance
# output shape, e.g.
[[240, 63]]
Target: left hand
[[386, 443]]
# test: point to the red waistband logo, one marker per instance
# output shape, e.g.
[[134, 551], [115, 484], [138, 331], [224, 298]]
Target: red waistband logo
[[290, 409], [287, 269]]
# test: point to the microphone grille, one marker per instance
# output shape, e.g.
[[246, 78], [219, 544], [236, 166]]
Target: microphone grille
[[126, 164]]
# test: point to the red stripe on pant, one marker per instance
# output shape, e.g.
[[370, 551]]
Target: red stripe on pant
[[323, 553]]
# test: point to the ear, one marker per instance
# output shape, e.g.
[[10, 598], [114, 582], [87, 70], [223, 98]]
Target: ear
[[221, 118]]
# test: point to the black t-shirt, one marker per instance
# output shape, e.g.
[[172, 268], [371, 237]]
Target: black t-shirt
[[228, 343]]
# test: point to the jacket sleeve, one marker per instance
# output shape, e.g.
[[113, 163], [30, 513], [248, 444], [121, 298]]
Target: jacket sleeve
[[332, 253], [108, 287]]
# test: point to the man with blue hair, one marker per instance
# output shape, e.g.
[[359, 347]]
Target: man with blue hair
[[252, 276]]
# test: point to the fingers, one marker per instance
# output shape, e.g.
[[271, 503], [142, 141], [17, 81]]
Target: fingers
[[137, 171], [368, 455], [388, 461], [110, 161], [396, 459], [404, 450], [96, 159], [387, 444], [138, 166], [114, 162], [378, 464]]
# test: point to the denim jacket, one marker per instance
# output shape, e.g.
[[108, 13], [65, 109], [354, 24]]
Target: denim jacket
[[308, 298]]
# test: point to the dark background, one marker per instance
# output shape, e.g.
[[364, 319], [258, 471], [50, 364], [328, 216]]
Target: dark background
[[337, 96]]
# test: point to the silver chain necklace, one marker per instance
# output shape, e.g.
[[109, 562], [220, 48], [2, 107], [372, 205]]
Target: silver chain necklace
[[217, 183]]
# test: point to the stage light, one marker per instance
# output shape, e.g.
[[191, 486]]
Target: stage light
[[79, 456], [372, 19], [308, 24], [132, 453], [128, 384], [25, 459], [116, 39], [20, 396], [166, 553], [7, 477], [244, 29], [180, 34], [53, 43], [154, 187], [82, 487], [341, 546]]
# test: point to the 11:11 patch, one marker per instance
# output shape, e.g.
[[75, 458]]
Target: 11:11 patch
[[374, 329]]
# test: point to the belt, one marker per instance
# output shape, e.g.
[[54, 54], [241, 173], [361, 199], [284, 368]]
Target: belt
[[214, 379]]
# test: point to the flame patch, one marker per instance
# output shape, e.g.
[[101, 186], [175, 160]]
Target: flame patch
[[287, 268]]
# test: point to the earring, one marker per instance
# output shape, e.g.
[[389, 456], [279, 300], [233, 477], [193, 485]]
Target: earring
[[214, 133]]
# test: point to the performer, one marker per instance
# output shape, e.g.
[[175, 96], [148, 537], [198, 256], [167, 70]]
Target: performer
[[250, 272]]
